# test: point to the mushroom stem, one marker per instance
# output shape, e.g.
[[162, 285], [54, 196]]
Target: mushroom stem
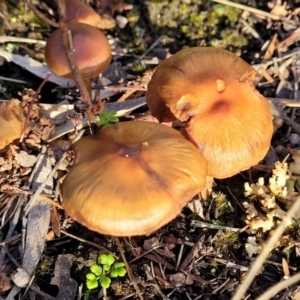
[[88, 86]]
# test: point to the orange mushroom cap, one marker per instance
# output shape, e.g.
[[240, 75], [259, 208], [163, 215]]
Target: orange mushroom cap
[[92, 51], [132, 178], [211, 90]]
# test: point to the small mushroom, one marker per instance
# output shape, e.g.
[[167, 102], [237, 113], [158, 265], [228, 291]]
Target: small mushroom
[[132, 178], [91, 51], [211, 91], [79, 12]]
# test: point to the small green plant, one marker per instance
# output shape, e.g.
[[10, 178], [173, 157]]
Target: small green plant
[[107, 118], [138, 67], [102, 272], [226, 239]]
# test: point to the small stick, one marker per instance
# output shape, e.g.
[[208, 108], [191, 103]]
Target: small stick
[[43, 197], [101, 248], [40, 15], [262, 71], [156, 42], [200, 224], [265, 252], [67, 43], [274, 290], [253, 10], [272, 46], [121, 249]]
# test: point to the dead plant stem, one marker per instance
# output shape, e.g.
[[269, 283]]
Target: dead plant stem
[[40, 15], [68, 46], [266, 251], [121, 249]]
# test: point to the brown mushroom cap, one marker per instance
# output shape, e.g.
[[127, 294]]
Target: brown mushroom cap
[[92, 51], [132, 178], [211, 90], [79, 12]]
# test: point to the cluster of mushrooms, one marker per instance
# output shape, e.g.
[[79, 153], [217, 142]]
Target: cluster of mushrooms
[[134, 177]]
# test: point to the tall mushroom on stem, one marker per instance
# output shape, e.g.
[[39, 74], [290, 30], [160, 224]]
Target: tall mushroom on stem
[[132, 178], [211, 91], [90, 50]]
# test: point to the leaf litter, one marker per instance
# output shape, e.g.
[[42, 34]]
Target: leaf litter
[[192, 257]]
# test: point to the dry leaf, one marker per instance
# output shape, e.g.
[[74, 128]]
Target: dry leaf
[[67, 285], [5, 283], [177, 280], [151, 243], [12, 121], [252, 247], [285, 268]]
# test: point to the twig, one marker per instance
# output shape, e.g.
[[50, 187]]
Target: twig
[[290, 122], [192, 254], [275, 289], [265, 252], [45, 198], [40, 15], [68, 46], [118, 88], [252, 30], [285, 102], [279, 59], [101, 248], [156, 42], [146, 252], [154, 284], [254, 10], [271, 47], [15, 39], [229, 264], [200, 224], [279, 265], [296, 88], [121, 249], [236, 200], [13, 80]]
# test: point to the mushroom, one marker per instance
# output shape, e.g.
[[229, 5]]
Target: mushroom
[[77, 11], [211, 91], [132, 178], [91, 51]]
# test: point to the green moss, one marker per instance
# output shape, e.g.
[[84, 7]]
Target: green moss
[[225, 239], [198, 23], [19, 20]]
